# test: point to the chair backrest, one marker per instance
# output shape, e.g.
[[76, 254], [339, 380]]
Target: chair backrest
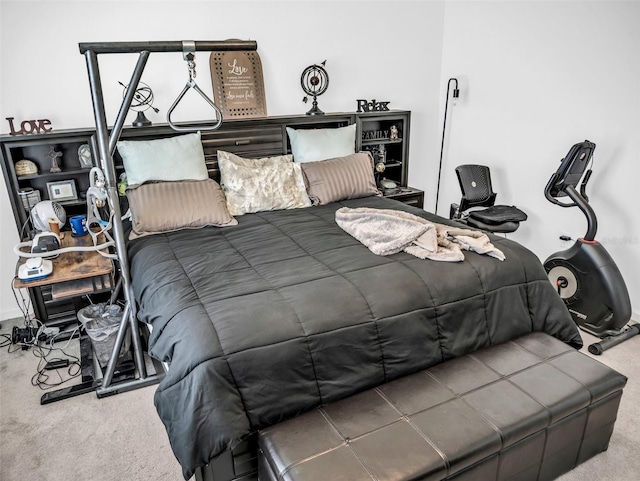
[[475, 183]]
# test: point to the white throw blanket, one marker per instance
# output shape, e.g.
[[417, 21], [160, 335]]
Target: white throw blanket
[[386, 232]]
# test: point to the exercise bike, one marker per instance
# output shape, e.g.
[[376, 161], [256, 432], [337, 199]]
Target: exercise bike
[[585, 275]]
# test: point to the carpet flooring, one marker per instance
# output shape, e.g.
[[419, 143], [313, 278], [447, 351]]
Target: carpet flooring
[[121, 437]]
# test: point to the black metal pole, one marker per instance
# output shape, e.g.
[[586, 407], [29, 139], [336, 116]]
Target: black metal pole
[[166, 46], [106, 162], [126, 101], [119, 236]]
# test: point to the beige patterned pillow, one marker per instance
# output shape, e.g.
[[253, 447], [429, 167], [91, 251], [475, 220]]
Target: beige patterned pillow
[[254, 185], [348, 177], [168, 206]]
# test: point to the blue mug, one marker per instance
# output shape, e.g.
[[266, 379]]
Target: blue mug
[[78, 225]]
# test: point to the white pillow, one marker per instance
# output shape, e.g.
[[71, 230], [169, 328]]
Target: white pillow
[[309, 145], [254, 185], [171, 159]]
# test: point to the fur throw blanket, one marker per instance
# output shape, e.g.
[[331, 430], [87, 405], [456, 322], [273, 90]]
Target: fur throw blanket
[[386, 232]]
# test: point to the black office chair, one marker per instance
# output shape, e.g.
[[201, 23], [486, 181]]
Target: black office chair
[[475, 183]]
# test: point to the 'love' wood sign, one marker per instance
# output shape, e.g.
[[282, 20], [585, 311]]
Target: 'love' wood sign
[[30, 126]]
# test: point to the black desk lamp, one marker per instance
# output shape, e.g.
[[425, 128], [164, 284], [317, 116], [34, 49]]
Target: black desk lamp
[[456, 94]]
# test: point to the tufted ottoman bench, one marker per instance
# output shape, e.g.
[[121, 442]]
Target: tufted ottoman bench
[[530, 409]]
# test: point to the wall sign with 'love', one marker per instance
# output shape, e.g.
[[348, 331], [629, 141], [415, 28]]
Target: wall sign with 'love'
[[30, 126]]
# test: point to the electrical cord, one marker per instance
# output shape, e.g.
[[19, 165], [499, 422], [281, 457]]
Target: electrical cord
[[23, 227], [42, 377], [97, 248], [25, 306], [6, 340], [45, 354], [44, 374]]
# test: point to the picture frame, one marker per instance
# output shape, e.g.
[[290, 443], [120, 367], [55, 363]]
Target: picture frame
[[62, 191]]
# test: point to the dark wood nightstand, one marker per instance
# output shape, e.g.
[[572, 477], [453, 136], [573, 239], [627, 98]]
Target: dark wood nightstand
[[407, 195]]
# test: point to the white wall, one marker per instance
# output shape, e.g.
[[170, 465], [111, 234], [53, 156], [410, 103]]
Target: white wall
[[536, 77], [373, 50]]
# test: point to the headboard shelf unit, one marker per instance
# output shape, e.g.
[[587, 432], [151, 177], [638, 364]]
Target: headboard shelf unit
[[245, 137], [35, 148], [375, 133]]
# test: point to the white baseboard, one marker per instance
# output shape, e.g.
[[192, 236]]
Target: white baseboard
[[7, 313], [9, 307]]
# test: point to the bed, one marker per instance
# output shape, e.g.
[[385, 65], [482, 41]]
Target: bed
[[269, 318]]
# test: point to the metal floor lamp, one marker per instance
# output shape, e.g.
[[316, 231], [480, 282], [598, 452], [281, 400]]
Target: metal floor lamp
[[456, 94]]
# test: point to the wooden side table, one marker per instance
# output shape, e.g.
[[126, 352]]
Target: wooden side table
[[74, 274]]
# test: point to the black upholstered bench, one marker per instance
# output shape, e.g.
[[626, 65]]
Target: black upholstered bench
[[529, 409]]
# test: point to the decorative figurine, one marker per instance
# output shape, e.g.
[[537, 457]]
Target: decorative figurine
[[314, 81], [54, 159], [380, 154], [142, 100], [394, 133], [122, 184], [26, 167]]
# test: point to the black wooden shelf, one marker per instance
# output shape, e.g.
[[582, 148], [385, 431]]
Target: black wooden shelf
[[63, 174], [381, 141]]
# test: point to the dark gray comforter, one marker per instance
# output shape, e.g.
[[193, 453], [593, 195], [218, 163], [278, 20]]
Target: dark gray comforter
[[285, 311]]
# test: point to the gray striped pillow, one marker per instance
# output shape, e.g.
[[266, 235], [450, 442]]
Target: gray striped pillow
[[348, 177], [168, 206]]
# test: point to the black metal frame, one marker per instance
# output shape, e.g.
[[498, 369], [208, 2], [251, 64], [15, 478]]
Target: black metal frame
[[105, 147]]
